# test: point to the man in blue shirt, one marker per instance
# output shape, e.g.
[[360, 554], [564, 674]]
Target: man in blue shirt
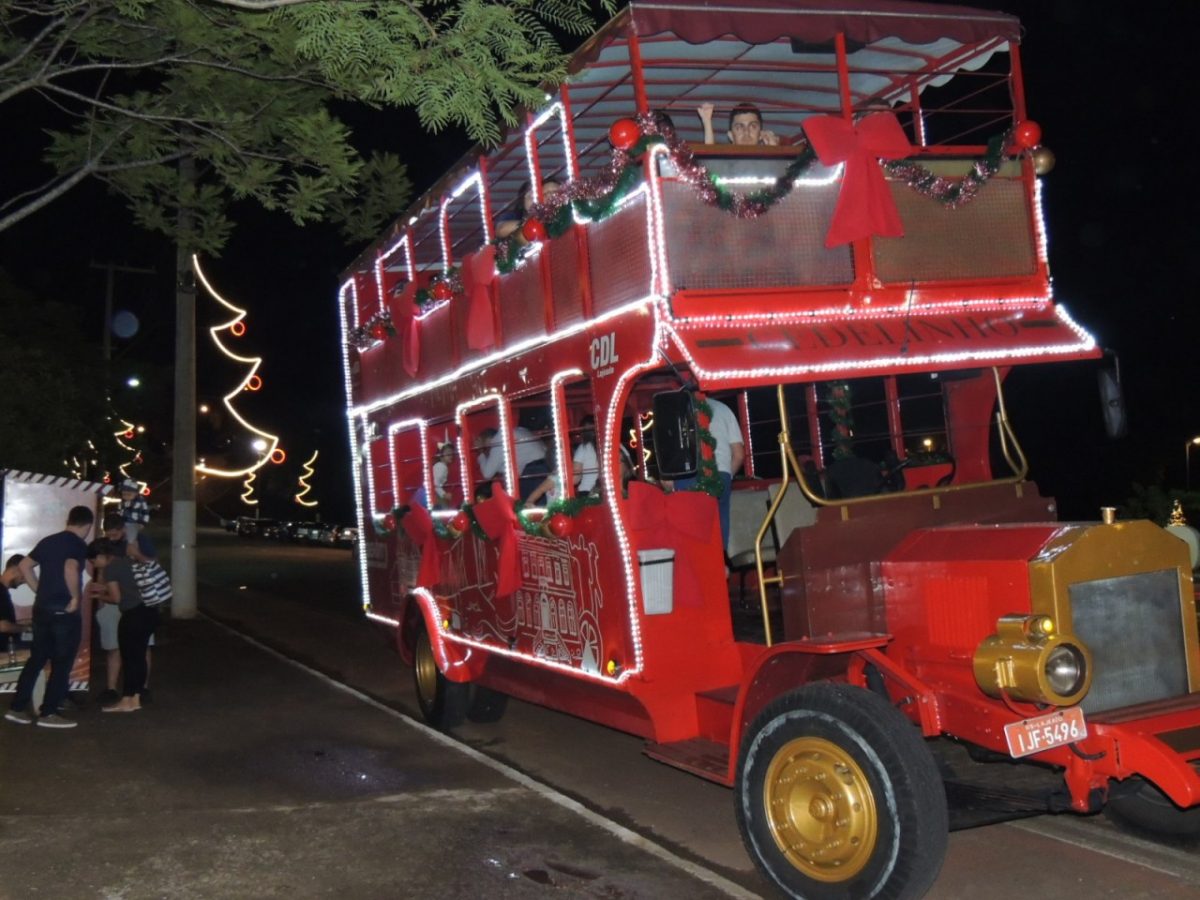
[[57, 623]]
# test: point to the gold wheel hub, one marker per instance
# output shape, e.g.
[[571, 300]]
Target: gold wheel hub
[[426, 669], [820, 809]]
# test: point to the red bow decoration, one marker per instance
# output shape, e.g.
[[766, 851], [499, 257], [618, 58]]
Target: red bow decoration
[[418, 525], [478, 273], [410, 329], [690, 514], [865, 205], [498, 519]]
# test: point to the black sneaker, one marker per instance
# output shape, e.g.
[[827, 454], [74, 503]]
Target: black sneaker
[[56, 720], [109, 696], [20, 716]]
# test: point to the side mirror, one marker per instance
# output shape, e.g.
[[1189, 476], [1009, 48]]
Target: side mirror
[[1112, 400], [676, 436]]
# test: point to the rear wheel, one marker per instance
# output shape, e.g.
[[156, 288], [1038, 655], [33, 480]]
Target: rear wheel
[[487, 706], [838, 797], [1139, 803], [443, 702]]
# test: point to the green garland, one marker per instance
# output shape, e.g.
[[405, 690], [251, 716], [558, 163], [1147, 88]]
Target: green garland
[[708, 478], [842, 419], [624, 173]]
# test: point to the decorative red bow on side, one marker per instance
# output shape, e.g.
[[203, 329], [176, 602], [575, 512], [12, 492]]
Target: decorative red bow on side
[[498, 519], [410, 328], [418, 525], [687, 514], [478, 273], [865, 206]]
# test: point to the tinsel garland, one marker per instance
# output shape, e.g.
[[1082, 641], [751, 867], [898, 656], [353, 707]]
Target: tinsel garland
[[597, 198], [708, 478], [424, 298], [379, 521], [374, 329], [842, 420], [568, 506], [952, 192]]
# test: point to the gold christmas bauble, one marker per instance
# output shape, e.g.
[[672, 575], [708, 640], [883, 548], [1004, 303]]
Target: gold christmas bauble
[[1043, 159]]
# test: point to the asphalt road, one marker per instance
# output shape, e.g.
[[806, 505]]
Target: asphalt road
[[304, 602]]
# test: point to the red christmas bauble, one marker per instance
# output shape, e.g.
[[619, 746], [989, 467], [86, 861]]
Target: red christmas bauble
[[389, 522], [378, 331], [1028, 134], [460, 522], [533, 230], [441, 291], [624, 133], [560, 525]]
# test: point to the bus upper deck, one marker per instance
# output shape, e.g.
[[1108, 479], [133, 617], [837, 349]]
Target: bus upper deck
[[734, 248]]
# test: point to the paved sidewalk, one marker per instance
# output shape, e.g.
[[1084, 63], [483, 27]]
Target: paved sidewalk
[[248, 777]]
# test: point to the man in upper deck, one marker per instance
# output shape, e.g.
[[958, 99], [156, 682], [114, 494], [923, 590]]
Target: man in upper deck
[[745, 126]]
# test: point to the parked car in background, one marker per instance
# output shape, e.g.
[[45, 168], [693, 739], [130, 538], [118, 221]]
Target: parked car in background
[[248, 526]]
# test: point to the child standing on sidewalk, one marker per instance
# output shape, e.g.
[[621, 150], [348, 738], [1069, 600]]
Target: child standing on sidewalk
[[135, 511]]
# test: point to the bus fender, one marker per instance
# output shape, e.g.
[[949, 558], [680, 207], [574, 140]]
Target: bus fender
[[456, 661], [788, 666]]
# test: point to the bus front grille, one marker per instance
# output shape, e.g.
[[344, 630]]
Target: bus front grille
[[1134, 627]]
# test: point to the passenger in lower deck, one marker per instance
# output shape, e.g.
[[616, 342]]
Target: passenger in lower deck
[[729, 454], [530, 458]]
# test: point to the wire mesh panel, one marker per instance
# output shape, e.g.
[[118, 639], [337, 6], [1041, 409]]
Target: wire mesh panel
[[708, 248], [992, 236], [522, 307], [619, 255], [564, 278]]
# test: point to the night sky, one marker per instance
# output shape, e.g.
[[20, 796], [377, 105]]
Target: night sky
[[1112, 91]]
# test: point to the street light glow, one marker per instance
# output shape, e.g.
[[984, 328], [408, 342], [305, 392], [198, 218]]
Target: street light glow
[[133, 381], [203, 408], [1187, 461]]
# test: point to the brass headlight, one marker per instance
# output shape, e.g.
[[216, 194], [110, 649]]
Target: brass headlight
[[1027, 660]]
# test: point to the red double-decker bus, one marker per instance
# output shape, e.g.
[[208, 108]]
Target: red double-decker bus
[[544, 357]]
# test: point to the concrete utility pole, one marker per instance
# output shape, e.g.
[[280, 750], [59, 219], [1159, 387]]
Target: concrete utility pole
[[183, 451]]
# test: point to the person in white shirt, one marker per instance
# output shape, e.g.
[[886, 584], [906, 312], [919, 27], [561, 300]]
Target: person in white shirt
[[442, 498], [729, 454], [585, 468], [586, 462], [530, 461]]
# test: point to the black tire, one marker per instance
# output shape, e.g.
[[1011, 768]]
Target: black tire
[[443, 702], [1140, 804], [487, 706], [847, 781]]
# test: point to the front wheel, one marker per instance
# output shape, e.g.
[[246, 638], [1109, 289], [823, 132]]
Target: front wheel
[[443, 702], [1139, 803], [838, 797]]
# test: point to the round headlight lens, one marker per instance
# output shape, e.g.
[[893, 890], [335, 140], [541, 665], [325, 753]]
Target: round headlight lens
[[1066, 669]]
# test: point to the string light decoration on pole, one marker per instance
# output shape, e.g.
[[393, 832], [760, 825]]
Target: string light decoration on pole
[[305, 487], [248, 493], [253, 381], [126, 433]]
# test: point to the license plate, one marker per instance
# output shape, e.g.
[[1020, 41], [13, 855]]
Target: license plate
[[1063, 726]]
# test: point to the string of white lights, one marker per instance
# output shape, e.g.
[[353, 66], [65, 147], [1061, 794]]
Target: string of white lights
[[253, 362]]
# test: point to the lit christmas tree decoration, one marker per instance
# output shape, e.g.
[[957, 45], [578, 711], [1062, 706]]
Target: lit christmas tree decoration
[[252, 381], [305, 487], [248, 493]]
